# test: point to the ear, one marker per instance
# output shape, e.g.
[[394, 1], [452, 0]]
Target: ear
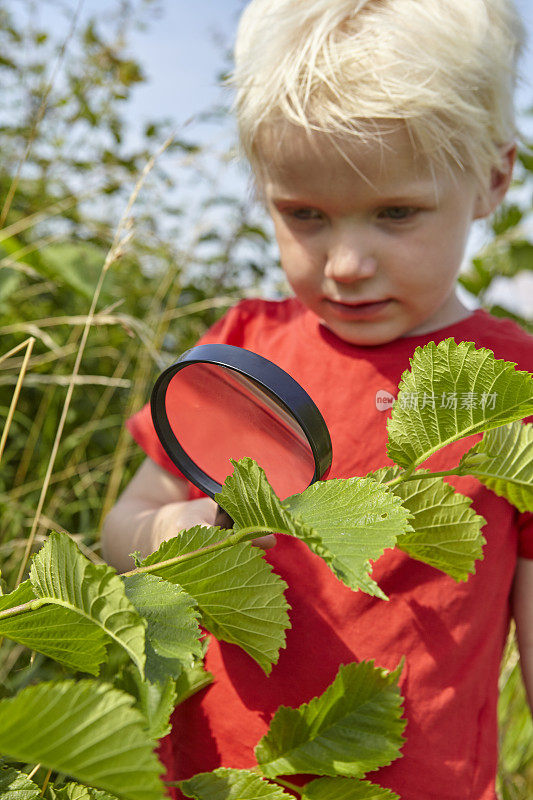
[[500, 180]]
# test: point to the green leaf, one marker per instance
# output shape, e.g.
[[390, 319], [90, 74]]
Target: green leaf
[[158, 668], [345, 522], [355, 726], [346, 789], [446, 531], [501, 312], [172, 620], [356, 520], [156, 701], [241, 600], [62, 576], [193, 679], [15, 785], [54, 631], [452, 391], [507, 466], [502, 257], [86, 730], [476, 278], [74, 265], [251, 502], [230, 784], [74, 791], [507, 216], [526, 159], [521, 256]]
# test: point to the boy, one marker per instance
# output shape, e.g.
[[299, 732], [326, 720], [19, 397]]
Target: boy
[[377, 132]]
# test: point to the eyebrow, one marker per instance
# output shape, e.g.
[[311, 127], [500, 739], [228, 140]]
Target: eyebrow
[[421, 191], [405, 198]]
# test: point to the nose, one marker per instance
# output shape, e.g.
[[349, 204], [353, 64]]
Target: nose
[[349, 258]]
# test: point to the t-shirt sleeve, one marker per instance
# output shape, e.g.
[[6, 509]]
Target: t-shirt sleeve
[[227, 330]]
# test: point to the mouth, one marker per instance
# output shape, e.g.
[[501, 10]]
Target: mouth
[[357, 308], [354, 303]]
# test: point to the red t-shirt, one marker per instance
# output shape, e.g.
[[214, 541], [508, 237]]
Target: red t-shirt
[[452, 634]]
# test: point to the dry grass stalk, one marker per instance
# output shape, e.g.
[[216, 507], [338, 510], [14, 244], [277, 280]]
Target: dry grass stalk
[[201, 305], [79, 319], [102, 464], [36, 768], [33, 437], [28, 222], [66, 380], [29, 347], [14, 350], [45, 358]]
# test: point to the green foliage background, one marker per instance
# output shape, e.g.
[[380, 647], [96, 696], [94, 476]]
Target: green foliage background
[[67, 170]]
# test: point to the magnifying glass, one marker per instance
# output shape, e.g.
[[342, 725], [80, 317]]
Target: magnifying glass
[[219, 402]]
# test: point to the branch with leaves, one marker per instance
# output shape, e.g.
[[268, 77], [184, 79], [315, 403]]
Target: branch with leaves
[[138, 633]]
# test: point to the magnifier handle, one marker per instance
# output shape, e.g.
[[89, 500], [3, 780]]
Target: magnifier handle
[[223, 519]]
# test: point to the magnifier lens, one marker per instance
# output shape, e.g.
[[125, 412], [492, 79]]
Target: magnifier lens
[[216, 414]]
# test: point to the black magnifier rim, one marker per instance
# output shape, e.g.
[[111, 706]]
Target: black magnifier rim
[[273, 380]]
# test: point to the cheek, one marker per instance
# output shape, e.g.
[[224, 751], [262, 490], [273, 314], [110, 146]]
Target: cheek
[[300, 273], [425, 261], [406, 265], [299, 260]]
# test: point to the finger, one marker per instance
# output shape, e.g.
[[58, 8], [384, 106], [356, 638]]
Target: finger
[[266, 542], [223, 519]]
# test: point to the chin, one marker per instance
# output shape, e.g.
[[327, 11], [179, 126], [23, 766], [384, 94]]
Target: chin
[[371, 337]]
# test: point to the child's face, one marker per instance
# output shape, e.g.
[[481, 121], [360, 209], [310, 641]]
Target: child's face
[[393, 235]]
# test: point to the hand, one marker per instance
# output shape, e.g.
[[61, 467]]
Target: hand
[[223, 520]]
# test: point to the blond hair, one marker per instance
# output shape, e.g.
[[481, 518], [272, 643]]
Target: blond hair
[[446, 68]]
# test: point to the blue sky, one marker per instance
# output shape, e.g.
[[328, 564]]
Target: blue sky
[[181, 59]]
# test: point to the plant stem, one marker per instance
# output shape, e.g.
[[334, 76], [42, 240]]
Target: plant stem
[[36, 768], [45, 784], [29, 347], [414, 476], [31, 605], [245, 534]]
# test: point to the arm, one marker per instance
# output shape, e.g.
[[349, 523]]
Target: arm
[[522, 600], [152, 508]]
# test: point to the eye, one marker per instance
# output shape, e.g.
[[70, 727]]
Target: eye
[[303, 214], [399, 213]]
